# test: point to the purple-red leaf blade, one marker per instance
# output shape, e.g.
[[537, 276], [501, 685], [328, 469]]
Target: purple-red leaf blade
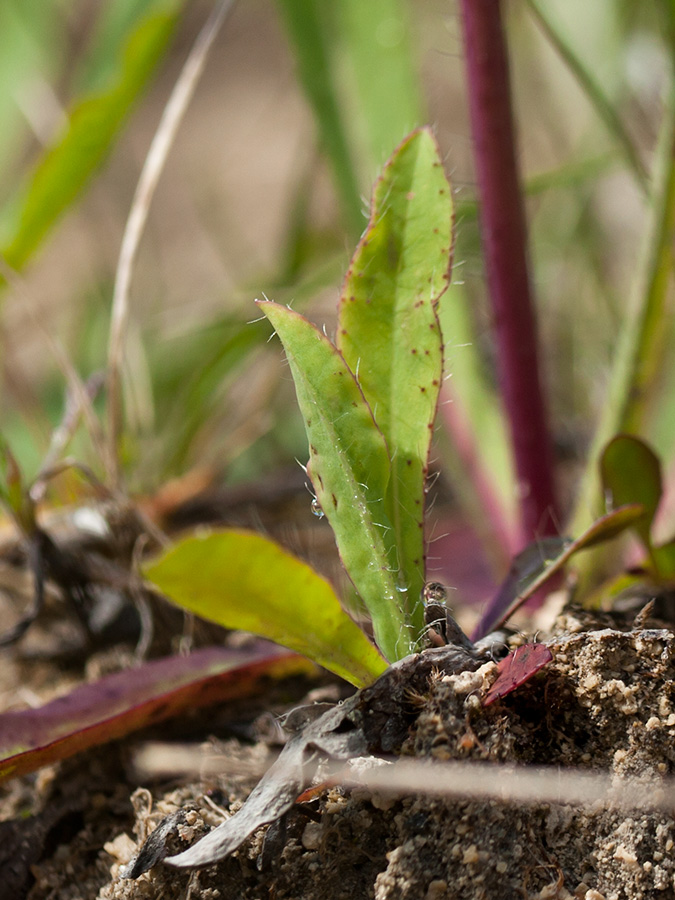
[[125, 701], [517, 668]]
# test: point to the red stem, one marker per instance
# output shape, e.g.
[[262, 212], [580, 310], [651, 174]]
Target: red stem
[[463, 438], [505, 247]]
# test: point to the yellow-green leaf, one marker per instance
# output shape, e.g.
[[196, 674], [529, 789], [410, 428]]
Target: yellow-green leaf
[[94, 121], [245, 581]]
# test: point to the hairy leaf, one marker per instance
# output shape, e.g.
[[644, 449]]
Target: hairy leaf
[[389, 335], [349, 468], [243, 580]]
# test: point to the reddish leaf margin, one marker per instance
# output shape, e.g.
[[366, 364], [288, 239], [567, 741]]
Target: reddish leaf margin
[[123, 702]]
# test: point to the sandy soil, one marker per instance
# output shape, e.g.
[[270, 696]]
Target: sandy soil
[[605, 702]]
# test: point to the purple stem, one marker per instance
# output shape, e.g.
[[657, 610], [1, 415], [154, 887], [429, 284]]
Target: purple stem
[[457, 425], [505, 248]]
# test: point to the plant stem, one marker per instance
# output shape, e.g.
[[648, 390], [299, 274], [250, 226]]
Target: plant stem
[[591, 87], [504, 238], [153, 167], [641, 342]]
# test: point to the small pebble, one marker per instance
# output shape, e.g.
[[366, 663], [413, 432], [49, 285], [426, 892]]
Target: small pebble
[[311, 836]]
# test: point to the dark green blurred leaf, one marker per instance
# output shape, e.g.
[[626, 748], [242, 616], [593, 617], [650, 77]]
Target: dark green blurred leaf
[[117, 19], [193, 371], [94, 122], [386, 101], [641, 343], [604, 529], [664, 559], [310, 25], [13, 491], [631, 473], [32, 48]]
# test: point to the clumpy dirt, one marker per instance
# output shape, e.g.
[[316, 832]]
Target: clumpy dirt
[[605, 702]]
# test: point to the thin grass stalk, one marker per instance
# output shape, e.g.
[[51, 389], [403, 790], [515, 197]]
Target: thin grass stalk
[[641, 340], [153, 167], [597, 97], [505, 249], [80, 393]]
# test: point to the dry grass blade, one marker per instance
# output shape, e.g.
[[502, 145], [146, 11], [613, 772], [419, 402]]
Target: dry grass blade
[[152, 169], [154, 759], [508, 784], [458, 780], [80, 395]]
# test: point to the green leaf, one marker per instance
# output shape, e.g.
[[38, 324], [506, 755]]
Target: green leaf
[[13, 491], [310, 27], [606, 594], [642, 339], [243, 580], [192, 372], [115, 21], [664, 558], [477, 451], [32, 45], [389, 335], [349, 468], [93, 124], [386, 104], [631, 473]]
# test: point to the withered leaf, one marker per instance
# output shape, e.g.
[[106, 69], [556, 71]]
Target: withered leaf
[[158, 845], [375, 720]]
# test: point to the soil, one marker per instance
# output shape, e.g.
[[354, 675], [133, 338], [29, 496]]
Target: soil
[[605, 702]]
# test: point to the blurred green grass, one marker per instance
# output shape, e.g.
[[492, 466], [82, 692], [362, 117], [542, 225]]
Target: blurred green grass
[[264, 192]]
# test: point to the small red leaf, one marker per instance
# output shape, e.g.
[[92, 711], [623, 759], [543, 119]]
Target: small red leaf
[[517, 668]]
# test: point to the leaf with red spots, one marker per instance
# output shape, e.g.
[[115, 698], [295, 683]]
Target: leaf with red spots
[[349, 468], [389, 334], [517, 668]]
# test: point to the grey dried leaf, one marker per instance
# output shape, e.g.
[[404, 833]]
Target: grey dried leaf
[[157, 846], [375, 720], [284, 781]]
